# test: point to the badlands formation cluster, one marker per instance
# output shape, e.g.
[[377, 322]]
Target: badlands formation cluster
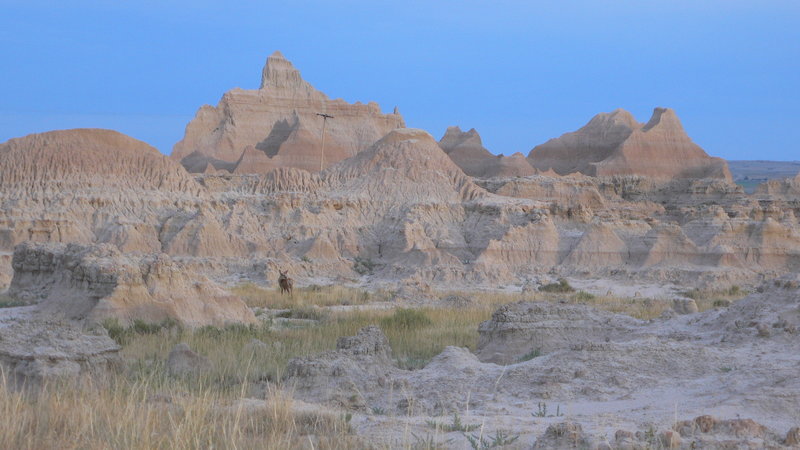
[[95, 224]]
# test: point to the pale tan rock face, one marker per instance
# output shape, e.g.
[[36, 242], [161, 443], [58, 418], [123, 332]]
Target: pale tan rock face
[[466, 149], [615, 144], [97, 282], [253, 131]]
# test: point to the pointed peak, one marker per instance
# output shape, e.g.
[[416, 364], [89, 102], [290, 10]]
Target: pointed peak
[[663, 118], [280, 77]]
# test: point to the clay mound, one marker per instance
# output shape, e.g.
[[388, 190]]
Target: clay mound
[[466, 149], [520, 329], [253, 131], [598, 248], [93, 283], [615, 144], [406, 166], [70, 159]]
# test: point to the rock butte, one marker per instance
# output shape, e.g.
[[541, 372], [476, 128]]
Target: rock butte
[[467, 151], [254, 131], [616, 144]]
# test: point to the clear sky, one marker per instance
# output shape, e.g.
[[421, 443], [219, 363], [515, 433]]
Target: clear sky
[[520, 72]]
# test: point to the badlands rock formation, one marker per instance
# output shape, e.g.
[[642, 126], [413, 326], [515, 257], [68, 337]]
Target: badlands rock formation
[[402, 206], [616, 144], [466, 150], [786, 188], [671, 373], [254, 131], [93, 283]]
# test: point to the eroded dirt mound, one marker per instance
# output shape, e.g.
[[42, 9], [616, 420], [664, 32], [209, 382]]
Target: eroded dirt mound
[[79, 158]]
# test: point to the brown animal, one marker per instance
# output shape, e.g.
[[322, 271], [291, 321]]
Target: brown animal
[[285, 283]]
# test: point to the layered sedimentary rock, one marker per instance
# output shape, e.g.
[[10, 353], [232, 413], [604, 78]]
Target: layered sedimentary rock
[[93, 283], [80, 158], [788, 187], [399, 210], [616, 144], [277, 125], [466, 149]]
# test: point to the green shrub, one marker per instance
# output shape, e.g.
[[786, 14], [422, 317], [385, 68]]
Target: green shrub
[[562, 286], [583, 296], [363, 266]]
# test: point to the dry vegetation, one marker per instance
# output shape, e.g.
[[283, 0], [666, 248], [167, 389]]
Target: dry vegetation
[[144, 407], [258, 296]]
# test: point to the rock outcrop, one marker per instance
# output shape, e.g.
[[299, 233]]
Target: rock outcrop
[[786, 188], [616, 144], [523, 329], [92, 283], [36, 351], [467, 151], [253, 131]]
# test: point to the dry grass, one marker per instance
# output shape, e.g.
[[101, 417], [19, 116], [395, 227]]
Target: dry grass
[[259, 296], [144, 407], [129, 415]]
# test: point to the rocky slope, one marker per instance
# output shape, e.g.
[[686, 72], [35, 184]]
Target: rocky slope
[[254, 131], [616, 144]]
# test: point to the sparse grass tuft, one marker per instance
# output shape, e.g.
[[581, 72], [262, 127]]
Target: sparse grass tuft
[[406, 319], [457, 425], [535, 353]]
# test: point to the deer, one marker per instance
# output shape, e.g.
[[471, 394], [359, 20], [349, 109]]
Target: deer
[[285, 283]]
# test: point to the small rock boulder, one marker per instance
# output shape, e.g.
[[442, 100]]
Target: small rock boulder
[[183, 361]]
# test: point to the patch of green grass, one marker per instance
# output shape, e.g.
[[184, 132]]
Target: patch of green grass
[[406, 319], [123, 335], [583, 296]]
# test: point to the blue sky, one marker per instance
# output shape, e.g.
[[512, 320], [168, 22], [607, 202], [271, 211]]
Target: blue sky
[[520, 72]]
